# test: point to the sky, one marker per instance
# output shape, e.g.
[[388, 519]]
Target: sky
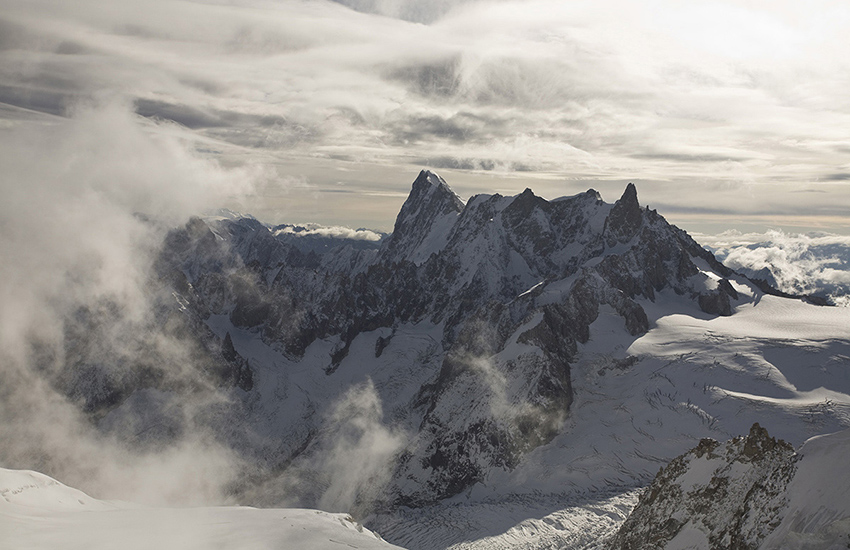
[[726, 115]]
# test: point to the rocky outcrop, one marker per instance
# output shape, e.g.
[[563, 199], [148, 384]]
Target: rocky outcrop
[[717, 302], [715, 496], [237, 372]]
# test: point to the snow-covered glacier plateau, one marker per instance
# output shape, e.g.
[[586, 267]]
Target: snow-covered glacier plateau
[[500, 372]]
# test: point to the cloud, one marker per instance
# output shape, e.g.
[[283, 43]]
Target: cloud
[[734, 95], [335, 232], [418, 11], [86, 203], [359, 462], [815, 263]]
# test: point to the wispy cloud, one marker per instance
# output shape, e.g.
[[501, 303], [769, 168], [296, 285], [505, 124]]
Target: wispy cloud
[[744, 98], [359, 460], [86, 202]]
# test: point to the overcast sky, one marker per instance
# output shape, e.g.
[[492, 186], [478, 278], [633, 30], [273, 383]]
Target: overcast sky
[[725, 114]]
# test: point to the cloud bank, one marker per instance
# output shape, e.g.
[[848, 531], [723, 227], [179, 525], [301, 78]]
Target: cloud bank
[[815, 263], [732, 106], [333, 232]]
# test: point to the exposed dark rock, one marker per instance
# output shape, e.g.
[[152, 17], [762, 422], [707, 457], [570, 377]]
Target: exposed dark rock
[[380, 344], [731, 492], [625, 218], [725, 286], [715, 302], [236, 370]]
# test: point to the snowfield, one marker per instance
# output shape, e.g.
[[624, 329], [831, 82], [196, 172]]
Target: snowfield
[[37, 511], [783, 363], [818, 513]]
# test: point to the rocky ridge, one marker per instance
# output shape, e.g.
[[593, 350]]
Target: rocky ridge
[[752, 492], [715, 496], [513, 284]]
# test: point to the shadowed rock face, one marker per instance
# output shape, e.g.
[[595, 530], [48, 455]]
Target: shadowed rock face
[[625, 218], [430, 205], [514, 283], [732, 494]]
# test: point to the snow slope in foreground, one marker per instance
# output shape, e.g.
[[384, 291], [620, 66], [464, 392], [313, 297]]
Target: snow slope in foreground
[[818, 515], [37, 511]]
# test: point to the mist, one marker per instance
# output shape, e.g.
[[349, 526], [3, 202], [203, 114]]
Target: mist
[[87, 201], [359, 462]]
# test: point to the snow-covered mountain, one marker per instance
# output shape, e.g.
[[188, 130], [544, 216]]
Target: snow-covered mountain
[[523, 364], [37, 511], [750, 492], [502, 288]]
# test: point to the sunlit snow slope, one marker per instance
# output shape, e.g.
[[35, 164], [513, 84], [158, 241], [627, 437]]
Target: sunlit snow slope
[[641, 401], [37, 511]]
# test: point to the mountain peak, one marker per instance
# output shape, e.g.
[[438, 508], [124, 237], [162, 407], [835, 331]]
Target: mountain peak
[[427, 178], [423, 222], [629, 196], [625, 218], [431, 188]]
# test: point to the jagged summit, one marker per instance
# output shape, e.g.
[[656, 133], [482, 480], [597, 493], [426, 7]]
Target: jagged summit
[[629, 196], [421, 227], [516, 281], [625, 218], [428, 181]]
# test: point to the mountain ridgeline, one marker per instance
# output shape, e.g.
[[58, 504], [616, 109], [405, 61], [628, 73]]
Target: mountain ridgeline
[[502, 288]]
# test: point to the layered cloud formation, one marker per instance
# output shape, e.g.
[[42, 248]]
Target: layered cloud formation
[[726, 114], [814, 263]]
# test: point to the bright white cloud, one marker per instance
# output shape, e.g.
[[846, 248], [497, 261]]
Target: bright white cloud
[[816, 263], [335, 232]]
